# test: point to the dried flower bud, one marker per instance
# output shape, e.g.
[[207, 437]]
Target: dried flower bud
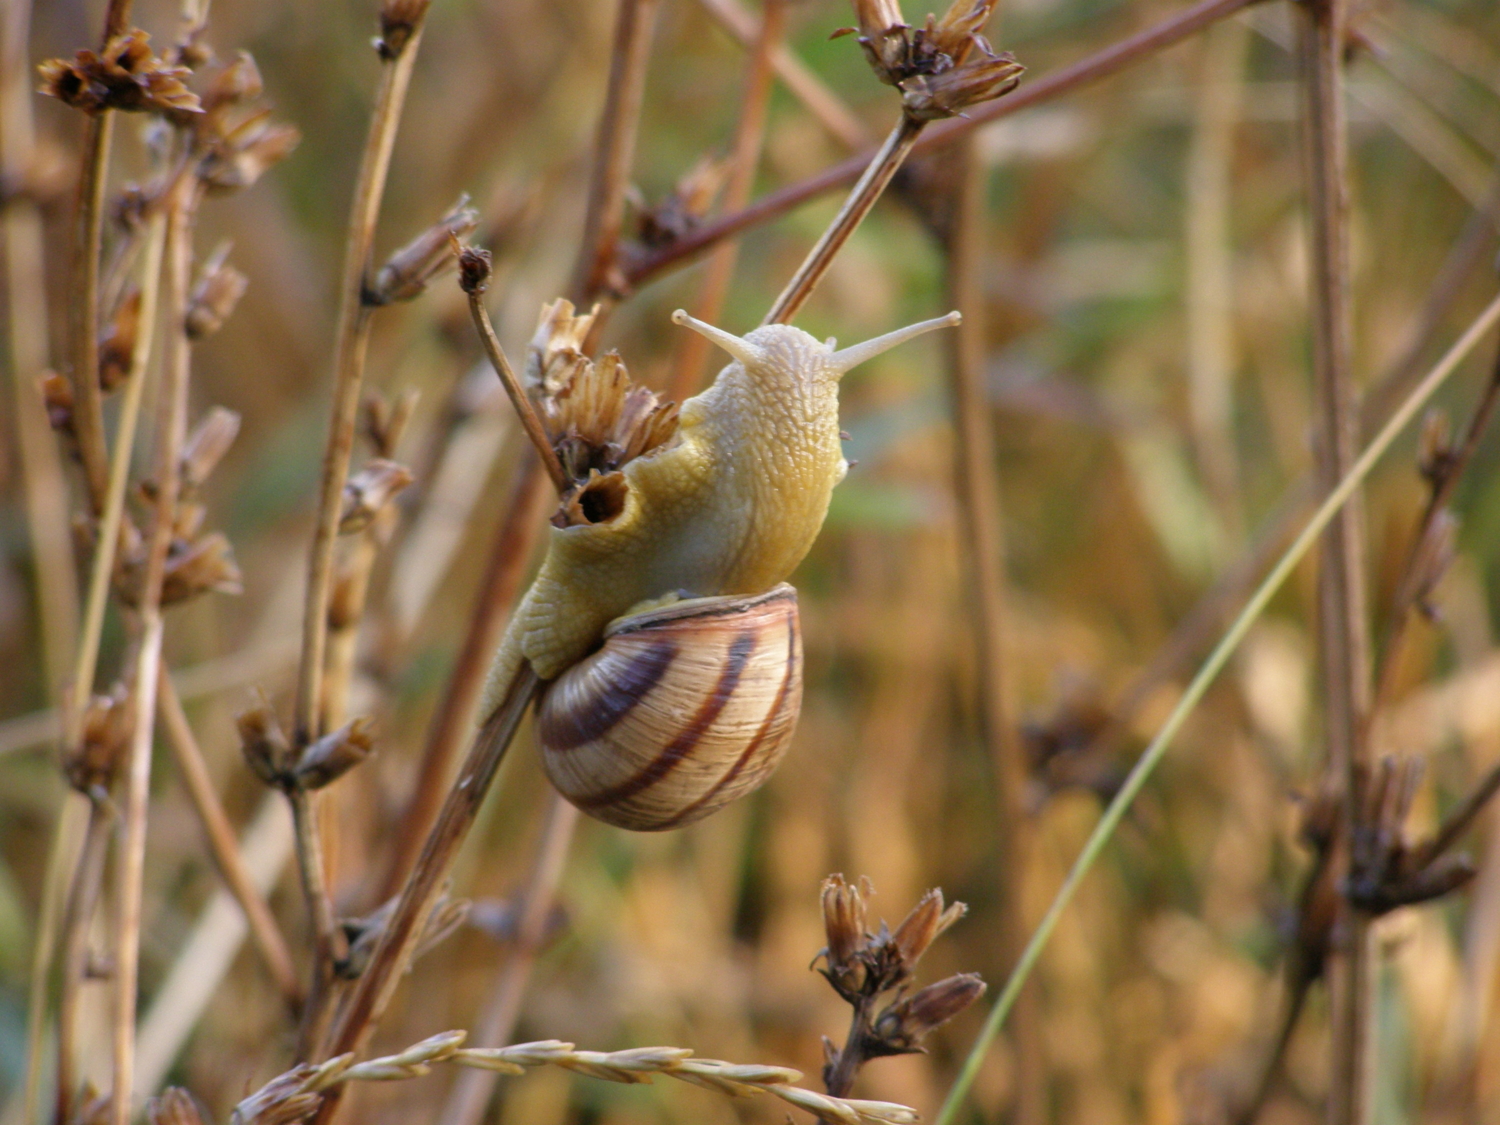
[[684, 206], [370, 490], [1435, 447], [409, 270], [385, 422], [474, 269], [902, 1027], [843, 921], [219, 288], [199, 566], [948, 94], [882, 37], [264, 744], [243, 154], [175, 1107], [236, 83], [125, 75], [335, 754], [117, 344], [57, 397], [398, 20], [1435, 555], [91, 765], [936, 68], [923, 925], [555, 353], [207, 444]]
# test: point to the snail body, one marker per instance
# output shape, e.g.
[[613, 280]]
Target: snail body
[[729, 506]]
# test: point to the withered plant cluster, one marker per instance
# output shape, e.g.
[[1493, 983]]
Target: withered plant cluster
[[272, 490]]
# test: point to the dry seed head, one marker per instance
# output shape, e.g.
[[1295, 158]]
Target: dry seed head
[[398, 21], [926, 922], [174, 1107], [243, 154], [206, 446], [219, 288], [335, 754], [117, 342], [408, 271], [902, 1027], [235, 83], [92, 764], [556, 349], [264, 743], [843, 921], [125, 75], [370, 490], [474, 268], [384, 422], [684, 206]]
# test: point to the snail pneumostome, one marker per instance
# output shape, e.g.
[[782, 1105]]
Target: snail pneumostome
[[659, 615]]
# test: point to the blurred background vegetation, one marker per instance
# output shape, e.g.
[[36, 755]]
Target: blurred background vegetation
[[1145, 433]]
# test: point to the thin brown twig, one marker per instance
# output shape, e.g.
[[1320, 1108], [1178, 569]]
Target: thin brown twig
[[837, 119], [171, 431], [348, 366], [867, 189], [983, 538], [749, 136], [530, 422], [1100, 64], [1409, 588], [509, 553], [78, 911], [594, 274], [472, 1089], [1342, 628], [225, 845], [401, 36], [378, 982]]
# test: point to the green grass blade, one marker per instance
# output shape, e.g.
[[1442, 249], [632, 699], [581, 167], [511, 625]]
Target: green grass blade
[[1195, 691]]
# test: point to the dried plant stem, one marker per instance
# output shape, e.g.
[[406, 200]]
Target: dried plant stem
[[867, 189], [353, 582], [107, 539], [472, 1089], [837, 119], [451, 721], [43, 481], [225, 845], [983, 541], [748, 138], [78, 912], [348, 367], [1115, 812], [513, 390], [88, 408], [82, 897], [378, 983], [1408, 587], [171, 431], [1101, 64], [1343, 632], [614, 153], [352, 339]]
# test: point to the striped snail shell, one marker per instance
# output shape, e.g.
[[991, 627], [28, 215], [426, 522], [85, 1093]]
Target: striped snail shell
[[682, 710]]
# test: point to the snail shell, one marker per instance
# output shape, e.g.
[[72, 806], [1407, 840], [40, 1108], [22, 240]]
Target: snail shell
[[681, 711]]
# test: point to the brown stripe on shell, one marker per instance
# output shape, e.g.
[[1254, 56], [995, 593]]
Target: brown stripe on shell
[[567, 728], [789, 678], [682, 745]]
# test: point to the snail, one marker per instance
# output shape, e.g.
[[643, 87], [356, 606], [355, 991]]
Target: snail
[[669, 647]]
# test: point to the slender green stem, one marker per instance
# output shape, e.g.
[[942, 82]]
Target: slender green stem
[[1210, 669]]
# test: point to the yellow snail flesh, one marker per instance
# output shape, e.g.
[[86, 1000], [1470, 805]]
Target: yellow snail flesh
[[631, 734], [728, 506]]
